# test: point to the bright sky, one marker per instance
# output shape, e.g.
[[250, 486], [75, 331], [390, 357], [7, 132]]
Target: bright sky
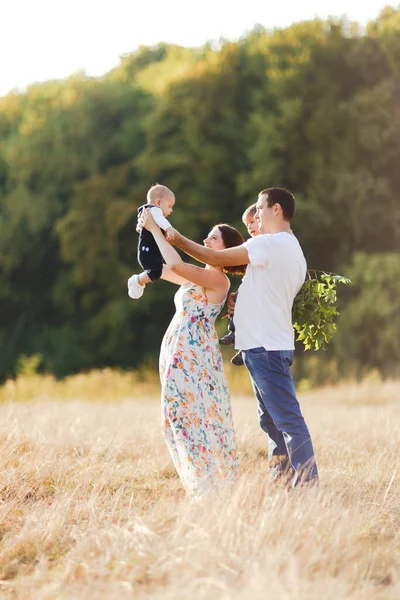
[[50, 39]]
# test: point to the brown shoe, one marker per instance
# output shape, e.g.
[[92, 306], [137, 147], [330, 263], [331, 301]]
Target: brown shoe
[[237, 359], [228, 339]]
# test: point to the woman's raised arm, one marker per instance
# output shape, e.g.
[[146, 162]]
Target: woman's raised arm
[[169, 253]]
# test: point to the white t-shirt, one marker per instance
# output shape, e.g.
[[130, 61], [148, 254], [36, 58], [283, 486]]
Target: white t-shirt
[[263, 311]]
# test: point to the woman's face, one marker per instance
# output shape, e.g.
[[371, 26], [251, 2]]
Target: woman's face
[[214, 240]]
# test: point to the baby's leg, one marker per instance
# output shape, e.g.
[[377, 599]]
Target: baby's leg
[[135, 288], [137, 283], [143, 278]]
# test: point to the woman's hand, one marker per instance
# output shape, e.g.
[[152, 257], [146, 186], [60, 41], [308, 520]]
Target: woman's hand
[[146, 220]]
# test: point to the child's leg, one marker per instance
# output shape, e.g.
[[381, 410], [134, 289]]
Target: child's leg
[[231, 325], [144, 278], [229, 338], [137, 283], [135, 289]]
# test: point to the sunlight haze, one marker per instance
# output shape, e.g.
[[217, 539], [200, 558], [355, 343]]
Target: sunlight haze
[[48, 40]]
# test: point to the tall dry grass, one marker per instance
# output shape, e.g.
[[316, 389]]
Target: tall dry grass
[[105, 385], [91, 508]]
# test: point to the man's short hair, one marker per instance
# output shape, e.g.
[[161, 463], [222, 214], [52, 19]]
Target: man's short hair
[[283, 197], [249, 213], [158, 191]]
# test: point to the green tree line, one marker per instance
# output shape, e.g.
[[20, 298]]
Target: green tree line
[[314, 107]]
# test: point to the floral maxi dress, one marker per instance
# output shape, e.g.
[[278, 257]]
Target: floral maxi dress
[[196, 408]]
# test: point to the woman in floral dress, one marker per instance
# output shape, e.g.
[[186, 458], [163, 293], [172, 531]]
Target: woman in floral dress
[[197, 420]]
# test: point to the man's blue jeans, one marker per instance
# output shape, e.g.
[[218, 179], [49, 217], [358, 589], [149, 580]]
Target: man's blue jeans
[[279, 411]]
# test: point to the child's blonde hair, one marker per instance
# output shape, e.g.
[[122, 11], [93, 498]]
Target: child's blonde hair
[[249, 213], [158, 192]]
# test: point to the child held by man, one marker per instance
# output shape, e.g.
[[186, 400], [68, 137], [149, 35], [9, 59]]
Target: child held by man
[[249, 219]]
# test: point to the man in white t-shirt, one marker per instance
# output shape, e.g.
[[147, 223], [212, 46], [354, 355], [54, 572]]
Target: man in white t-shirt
[[264, 332]]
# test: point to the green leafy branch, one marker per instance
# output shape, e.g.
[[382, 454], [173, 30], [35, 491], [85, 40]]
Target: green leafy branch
[[314, 309]]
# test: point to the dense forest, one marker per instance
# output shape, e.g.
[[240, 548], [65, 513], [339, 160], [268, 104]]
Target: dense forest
[[314, 107]]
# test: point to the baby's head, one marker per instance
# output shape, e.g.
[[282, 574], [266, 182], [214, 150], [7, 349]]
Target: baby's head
[[161, 196], [249, 219]]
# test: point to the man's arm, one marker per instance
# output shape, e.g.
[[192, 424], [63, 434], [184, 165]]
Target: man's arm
[[215, 258]]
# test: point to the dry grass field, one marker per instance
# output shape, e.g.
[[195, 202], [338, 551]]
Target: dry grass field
[[91, 508]]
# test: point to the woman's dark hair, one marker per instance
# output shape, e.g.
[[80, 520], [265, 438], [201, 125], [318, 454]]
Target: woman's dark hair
[[231, 238]]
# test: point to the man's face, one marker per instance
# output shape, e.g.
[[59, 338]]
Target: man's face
[[264, 214]]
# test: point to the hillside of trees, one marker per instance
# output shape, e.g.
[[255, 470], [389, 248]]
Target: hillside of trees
[[314, 107]]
